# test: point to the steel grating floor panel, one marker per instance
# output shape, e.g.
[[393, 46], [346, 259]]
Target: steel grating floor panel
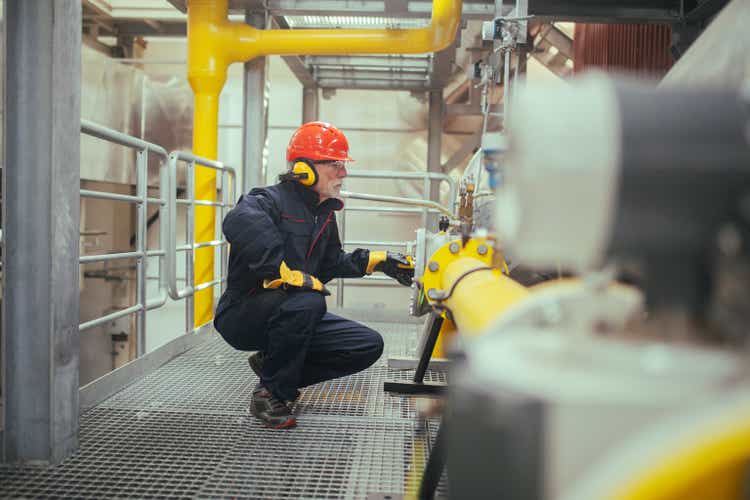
[[184, 432]]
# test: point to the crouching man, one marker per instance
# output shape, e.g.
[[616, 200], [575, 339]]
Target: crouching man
[[284, 247]]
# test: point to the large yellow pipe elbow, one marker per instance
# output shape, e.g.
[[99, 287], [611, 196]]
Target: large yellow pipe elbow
[[214, 43]]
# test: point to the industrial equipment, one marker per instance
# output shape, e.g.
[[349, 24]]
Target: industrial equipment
[[577, 392]]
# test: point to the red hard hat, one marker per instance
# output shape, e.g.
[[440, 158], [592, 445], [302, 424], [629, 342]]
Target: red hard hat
[[318, 141]]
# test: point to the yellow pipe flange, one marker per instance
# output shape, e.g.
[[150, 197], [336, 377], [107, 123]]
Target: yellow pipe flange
[[475, 248], [461, 279]]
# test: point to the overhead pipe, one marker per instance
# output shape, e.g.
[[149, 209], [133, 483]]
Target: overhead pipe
[[214, 43]]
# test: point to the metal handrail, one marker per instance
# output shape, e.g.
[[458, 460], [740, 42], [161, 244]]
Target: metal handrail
[[416, 202], [189, 290], [427, 207], [141, 254]]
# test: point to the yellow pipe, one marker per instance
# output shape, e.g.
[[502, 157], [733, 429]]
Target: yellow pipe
[[479, 297], [204, 144], [214, 43], [712, 464]]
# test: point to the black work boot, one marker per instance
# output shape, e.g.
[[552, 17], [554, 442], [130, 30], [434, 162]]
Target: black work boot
[[256, 363], [270, 410]]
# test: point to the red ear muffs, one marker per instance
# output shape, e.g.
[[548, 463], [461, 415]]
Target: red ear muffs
[[304, 172]]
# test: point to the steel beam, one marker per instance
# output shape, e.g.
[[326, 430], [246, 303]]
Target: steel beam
[[396, 74], [434, 145], [704, 10], [254, 114], [469, 146], [441, 70], [353, 83], [40, 305], [605, 11], [309, 104], [373, 61]]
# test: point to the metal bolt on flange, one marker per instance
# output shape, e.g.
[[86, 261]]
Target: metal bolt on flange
[[435, 294], [482, 249], [454, 248], [433, 266]]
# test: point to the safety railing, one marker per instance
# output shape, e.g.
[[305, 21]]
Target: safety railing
[[140, 254], [424, 210], [167, 251], [227, 194]]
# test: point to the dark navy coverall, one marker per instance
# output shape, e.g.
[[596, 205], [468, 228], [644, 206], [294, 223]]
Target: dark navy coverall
[[303, 343]]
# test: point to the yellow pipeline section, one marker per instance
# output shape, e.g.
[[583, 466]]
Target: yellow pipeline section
[[713, 464], [214, 43], [462, 279]]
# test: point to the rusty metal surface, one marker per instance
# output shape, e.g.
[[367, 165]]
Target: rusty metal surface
[[641, 49]]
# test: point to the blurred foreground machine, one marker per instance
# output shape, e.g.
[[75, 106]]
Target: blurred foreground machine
[[575, 392]]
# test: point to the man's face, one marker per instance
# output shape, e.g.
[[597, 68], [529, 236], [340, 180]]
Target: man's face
[[330, 179]]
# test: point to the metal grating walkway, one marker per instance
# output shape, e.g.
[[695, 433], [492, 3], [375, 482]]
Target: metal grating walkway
[[184, 432]]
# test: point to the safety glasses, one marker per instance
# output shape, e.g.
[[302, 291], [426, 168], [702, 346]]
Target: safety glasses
[[339, 165]]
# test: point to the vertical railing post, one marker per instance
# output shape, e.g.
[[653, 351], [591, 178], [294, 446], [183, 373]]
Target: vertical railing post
[[225, 190], [141, 186], [426, 195], [340, 281], [190, 254]]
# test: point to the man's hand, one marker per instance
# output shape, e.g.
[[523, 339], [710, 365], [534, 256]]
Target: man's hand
[[297, 279], [396, 265]]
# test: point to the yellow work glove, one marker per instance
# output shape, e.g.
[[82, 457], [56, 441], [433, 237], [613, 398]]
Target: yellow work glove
[[396, 265], [297, 279]]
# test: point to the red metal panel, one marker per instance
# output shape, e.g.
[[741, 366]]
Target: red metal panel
[[636, 48]]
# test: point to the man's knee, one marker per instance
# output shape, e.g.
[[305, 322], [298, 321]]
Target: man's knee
[[374, 345]]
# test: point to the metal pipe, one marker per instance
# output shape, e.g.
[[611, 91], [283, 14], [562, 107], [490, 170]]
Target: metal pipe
[[214, 42], [309, 104], [374, 84], [376, 243], [140, 245], [408, 60], [224, 252], [478, 294], [395, 211], [340, 283], [229, 187], [143, 148], [389, 174], [209, 284], [201, 203], [254, 110], [434, 147], [191, 319], [109, 317], [371, 73], [111, 135], [87, 259], [87, 193], [395, 199], [214, 243]]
